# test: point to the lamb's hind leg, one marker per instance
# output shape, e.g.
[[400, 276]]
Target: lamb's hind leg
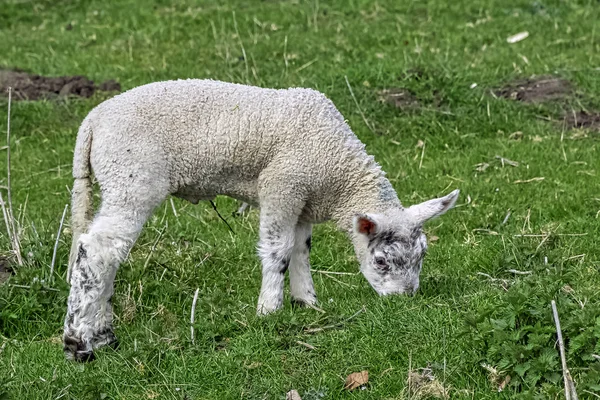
[[301, 283], [88, 323]]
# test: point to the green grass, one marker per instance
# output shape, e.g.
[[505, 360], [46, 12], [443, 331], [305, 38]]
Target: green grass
[[451, 324]]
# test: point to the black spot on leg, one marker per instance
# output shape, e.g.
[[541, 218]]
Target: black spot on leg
[[87, 287], [81, 254], [274, 256], [309, 243], [285, 264], [84, 274]]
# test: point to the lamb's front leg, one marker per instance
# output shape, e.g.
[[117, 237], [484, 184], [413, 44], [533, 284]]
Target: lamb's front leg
[[275, 248], [301, 283]]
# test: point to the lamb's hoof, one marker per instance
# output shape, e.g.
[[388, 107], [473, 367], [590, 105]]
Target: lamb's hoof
[[305, 303], [76, 350], [265, 309], [71, 352], [84, 356], [299, 303]]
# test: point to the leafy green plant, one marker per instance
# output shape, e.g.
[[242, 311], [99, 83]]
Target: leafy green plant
[[516, 334]]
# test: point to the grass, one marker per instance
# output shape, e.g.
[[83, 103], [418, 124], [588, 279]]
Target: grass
[[376, 45]]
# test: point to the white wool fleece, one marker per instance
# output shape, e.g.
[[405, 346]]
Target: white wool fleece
[[288, 151]]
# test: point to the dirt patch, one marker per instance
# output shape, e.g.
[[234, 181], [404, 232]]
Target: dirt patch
[[583, 120], [536, 90], [400, 98], [35, 87], [5, 269]]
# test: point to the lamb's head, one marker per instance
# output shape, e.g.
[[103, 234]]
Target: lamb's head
[[390, 246]]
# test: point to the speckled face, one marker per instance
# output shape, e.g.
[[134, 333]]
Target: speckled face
[[391, 246], [393, 261]]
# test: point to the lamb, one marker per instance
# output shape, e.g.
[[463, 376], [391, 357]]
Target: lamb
[[289, 152]]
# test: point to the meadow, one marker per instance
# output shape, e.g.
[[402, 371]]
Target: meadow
[[444, 96]]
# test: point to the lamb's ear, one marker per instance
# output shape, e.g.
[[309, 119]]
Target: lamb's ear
[[366, 225], [432, 208]]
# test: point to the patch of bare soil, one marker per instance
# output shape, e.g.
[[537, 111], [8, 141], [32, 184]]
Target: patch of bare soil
[[5, 269], [536, 90], [583, 120], [400, 98], [35, 87]]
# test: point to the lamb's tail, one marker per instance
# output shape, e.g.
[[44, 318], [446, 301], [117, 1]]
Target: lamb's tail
[[81, 200]]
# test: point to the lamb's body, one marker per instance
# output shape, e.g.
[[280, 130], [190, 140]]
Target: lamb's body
[[197, 139], [288, 151]]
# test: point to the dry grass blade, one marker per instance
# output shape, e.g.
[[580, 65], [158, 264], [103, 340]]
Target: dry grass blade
[[536, 179], [517, 272], [358, 106], [9, 212], [193, 314], [6, 221], [62, 220], [307, 345], [507, 161]]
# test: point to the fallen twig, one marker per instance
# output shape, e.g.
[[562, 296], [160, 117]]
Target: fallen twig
[[62, 220], [332, 326], [570, 393], [192, 316]]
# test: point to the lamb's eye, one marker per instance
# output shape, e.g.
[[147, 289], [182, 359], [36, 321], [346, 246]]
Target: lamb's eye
[[380, 261]]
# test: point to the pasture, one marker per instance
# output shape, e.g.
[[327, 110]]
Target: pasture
[[444, 96]]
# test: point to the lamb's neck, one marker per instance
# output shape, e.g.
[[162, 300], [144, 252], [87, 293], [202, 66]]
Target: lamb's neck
[[371, 194]]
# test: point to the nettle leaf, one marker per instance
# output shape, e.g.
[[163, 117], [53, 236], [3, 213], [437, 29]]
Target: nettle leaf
[[533, 378], [579, 342], [521, 369], [553, 377], [499, 324]]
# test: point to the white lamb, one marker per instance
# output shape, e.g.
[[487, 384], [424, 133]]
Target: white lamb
[[290, 152]]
